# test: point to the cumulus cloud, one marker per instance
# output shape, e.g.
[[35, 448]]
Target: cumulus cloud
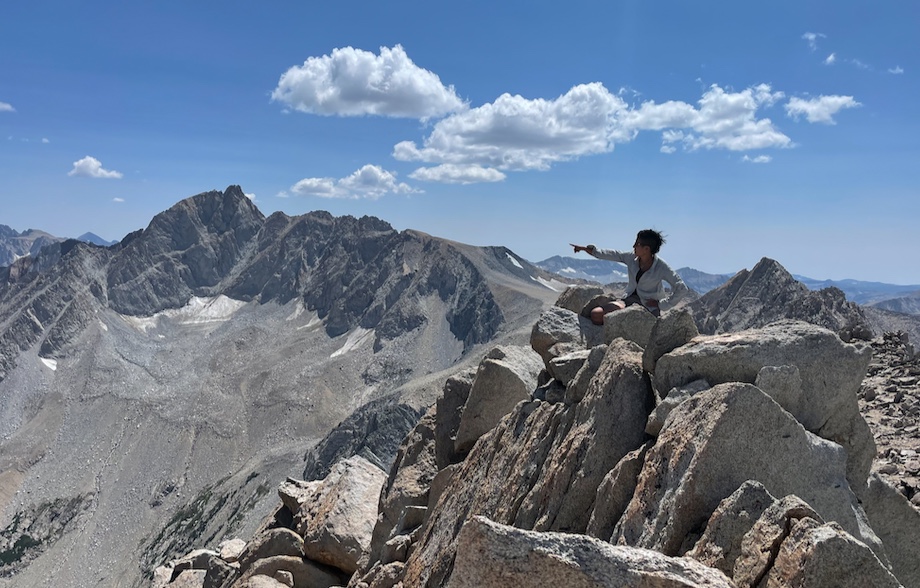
[[371, 181], [90, 167], [812, 39], [252, 197], [831, 59], [895, 70], [5, 107], [757, 159], [449, 173], [721, 120], [516, 133], [354, 82], [821, 109]]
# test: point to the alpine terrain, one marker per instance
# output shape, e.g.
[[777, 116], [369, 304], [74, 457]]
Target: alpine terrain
[[153, 393], [224, 400]]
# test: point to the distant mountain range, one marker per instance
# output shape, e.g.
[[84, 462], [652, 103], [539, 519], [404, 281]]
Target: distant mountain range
[[903, 299], [893, 297], [14, 244], [155, 392]]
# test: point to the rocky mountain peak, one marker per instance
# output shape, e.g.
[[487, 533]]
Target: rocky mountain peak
[[185, 251], [767, 293]]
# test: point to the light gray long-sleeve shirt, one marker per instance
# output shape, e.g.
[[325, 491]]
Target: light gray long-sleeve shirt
[[650, 285]]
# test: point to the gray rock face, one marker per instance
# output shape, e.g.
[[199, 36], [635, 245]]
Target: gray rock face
[[711, 445], [830, 372], [506, 376], [492, 555], [557, 326], [768, 293], [897, 523], [337, 516], [374, 432], [826, 556], [407, 486], [541, 466], [184, 252], [14, 245], [633, 323], [575, 298]]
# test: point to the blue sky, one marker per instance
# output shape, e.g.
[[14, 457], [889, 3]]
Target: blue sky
[[741, 130]]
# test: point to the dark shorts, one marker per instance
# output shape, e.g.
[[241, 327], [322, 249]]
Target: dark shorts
[[606, 302]]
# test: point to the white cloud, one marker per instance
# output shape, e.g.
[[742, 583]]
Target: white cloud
[[895, 70], [252, 197], [723, 120], [90, 167], [812, 39], [831, 59], [515, 133], [44, 140], [353, 82], [5, 107], [860, 64], [757, 159], [370, 181], [821, 109], [117, 199], [449, 173]]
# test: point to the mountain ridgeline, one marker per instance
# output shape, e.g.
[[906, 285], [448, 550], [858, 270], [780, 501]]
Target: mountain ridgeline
[[352, 272], [152, 392]]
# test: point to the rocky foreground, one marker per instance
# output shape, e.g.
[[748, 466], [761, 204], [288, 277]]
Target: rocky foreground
[[639, 454]]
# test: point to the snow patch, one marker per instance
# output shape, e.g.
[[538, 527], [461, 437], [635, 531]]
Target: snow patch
[[103, 326], [514, 261], [50, 363], [298, 310], [198, 311], [355, 338], [569, 270], [554, 285], [314, 322]]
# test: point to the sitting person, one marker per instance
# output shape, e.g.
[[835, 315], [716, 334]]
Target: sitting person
[[646, 274]]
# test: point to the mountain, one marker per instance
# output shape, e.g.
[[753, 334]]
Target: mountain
[[768, 293], [95, 240], [595, 270], [14, 245], [153, 393], [887, 296], [909, 304], [870, 293]]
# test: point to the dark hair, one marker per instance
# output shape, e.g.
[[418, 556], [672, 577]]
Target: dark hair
[[650, 238]]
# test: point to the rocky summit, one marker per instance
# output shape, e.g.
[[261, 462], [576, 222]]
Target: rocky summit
[[228, 400], [644, 454], [154, 393]]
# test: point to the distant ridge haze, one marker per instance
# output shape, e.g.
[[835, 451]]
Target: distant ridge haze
[[895, 297], [898, 298]]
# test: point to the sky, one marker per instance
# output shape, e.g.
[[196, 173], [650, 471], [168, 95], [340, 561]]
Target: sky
[[740, 130]]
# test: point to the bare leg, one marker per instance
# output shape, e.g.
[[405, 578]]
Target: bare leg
[[598, 312]]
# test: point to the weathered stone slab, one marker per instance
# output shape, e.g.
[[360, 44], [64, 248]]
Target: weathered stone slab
[[490, 555]]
